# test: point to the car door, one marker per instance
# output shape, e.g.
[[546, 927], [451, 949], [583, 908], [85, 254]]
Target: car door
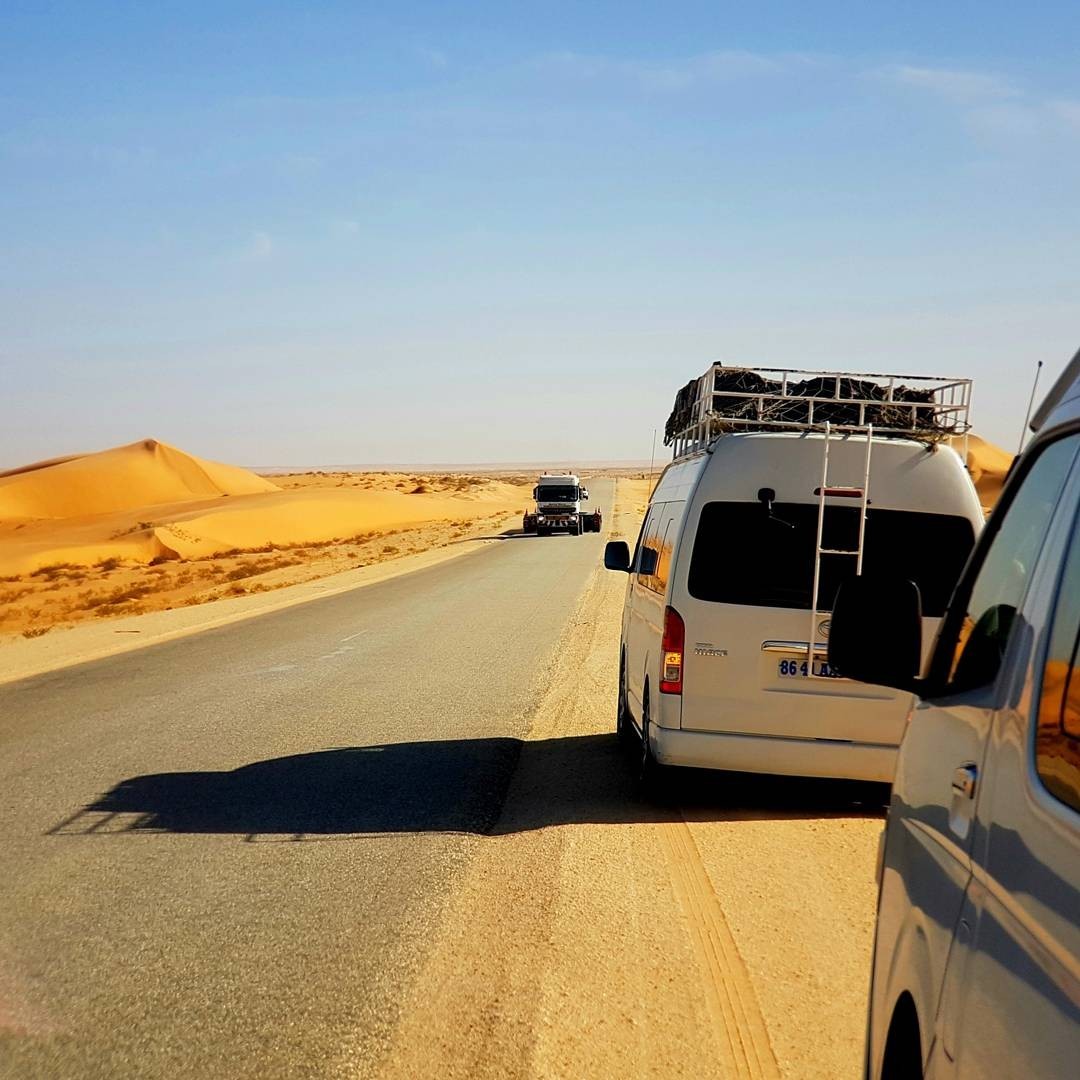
[[641, 604], [932, 824], [1018, 1008]]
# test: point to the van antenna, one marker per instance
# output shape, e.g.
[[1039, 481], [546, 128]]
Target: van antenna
[[652, 460], [1031, 405]]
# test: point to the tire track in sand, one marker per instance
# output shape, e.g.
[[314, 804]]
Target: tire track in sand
[[729, 992]]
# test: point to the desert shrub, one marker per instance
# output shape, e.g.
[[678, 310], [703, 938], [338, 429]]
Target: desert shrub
[[105, 565], [55, 570], [277, 564], [126, 607], [237, 590], [389, 549], [239, 572], [114, 599], [36, 631]]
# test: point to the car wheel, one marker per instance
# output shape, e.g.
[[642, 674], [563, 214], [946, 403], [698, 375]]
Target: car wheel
[[624, 727], [651, 773]]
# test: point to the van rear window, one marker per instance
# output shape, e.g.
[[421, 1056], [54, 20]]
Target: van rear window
[[742, 555]]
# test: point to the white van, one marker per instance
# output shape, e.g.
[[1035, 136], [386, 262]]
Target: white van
[[724, 636], [977, 947]]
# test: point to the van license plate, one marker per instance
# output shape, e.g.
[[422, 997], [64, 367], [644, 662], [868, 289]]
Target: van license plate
[[798, 669]]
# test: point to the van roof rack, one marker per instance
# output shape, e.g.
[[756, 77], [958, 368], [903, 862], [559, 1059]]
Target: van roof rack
[[730, 399]]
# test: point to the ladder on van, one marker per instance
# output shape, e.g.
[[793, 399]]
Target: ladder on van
[[825, 492]]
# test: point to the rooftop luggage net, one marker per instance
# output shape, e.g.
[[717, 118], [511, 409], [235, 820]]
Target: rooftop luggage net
[[757, 399]]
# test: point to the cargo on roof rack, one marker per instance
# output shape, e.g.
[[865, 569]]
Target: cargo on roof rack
[[729, 399]]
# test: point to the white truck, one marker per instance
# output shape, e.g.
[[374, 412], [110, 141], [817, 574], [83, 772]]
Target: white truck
[[559, 498]]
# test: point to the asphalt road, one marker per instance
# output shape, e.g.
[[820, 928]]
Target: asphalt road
[[225, 855]]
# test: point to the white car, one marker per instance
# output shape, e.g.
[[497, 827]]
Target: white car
[[723, 652], [977, 951]]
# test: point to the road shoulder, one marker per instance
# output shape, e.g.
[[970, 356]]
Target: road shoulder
[[24, 658]]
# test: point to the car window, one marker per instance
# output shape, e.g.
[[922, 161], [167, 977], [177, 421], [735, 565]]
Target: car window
[[744, 555], [660, 545], [976, 642], [1057, 736], [641, 536], [667, 544], [649, 558]]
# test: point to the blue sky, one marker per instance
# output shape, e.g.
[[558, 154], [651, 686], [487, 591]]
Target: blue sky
[[285, 233]]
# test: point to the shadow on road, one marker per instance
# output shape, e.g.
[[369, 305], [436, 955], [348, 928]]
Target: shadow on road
[[457, 785]]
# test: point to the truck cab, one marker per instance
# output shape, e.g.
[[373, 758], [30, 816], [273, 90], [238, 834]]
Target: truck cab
[[559, 498]]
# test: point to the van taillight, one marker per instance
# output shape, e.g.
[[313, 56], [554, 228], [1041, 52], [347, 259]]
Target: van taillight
[[672, 652]]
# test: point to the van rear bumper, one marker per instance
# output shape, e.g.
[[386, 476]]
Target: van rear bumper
[[766, 754]]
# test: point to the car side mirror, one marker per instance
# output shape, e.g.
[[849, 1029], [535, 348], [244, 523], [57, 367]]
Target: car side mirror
[[647, 561], [617, 556], [584, 494], [875, 635]]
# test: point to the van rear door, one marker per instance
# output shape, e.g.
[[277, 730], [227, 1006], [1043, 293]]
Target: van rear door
[[746, 600]]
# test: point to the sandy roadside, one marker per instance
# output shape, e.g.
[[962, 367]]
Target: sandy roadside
[[598, 935], [22, 658]]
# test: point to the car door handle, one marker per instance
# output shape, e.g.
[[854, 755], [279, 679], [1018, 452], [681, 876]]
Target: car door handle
[[964, 780]]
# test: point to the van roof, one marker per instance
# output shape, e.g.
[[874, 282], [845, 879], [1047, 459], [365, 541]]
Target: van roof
[[1065, 392], [905, 473]]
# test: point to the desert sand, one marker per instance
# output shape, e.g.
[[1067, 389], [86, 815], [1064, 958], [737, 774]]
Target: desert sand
[[146, 527], [988, 465]]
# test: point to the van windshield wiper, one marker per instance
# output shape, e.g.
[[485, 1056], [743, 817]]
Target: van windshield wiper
[[767, 496]]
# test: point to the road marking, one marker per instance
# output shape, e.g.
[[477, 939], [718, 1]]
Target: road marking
[[277, 670], [341, 651], [728, 990], [356, 635]]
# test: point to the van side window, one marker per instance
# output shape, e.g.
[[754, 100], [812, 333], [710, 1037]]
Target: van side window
[[999, 586], [649, 556], [646, 522], [1057, 736], [667, 546], [659, 548]]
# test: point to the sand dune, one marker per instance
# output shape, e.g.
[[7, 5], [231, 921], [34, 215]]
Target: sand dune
[[316, 516], [147, 526], [988, 465], [147, 473], [149, 501]]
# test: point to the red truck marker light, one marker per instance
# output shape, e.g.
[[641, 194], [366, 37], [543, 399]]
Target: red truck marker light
[[672, 648]]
